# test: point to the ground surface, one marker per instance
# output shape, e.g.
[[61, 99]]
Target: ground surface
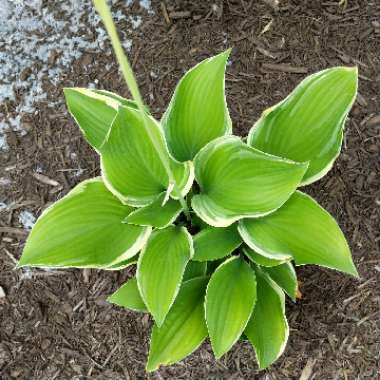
[[56, 324]]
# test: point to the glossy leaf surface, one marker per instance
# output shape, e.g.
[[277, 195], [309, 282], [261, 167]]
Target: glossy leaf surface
[[302, 230], [284, 276], [197, 112], [84, 229], [308, 124], [230, 298], [155, 214], [128, 296], [215, 243], [161, 267], [268, 328], [184, 328], [93, 112], [238, 181], [260, 259], [194, 269], [131, 165]]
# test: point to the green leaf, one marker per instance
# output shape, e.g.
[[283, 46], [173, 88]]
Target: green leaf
[[308, 124], [198, 112], [195, 269], [302, 230], [84, 229], [131, 165], [268, 328], [156, 214], [285, 276], [215, 243], [230, 298], [123, 263], [93, 112], [125, 102], [260, 259], [184, 328], [160, 269], [128, 296], [238, 181]]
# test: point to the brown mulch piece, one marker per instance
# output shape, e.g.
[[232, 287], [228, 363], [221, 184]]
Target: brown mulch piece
[[59, 326]]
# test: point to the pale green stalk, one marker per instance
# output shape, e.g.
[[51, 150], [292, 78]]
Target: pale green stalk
[[105, 13]]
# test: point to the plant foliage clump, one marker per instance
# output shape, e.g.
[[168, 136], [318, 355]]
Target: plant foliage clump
[[214, 223]]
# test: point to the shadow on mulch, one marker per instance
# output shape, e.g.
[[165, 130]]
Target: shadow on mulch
[[57, 325]]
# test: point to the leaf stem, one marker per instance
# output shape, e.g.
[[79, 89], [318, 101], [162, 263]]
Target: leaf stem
[[105, 14]]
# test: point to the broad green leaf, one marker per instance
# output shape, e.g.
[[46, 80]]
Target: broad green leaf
[[285, 276], [308, 124], [238, 181], [84, 229], [156, 214], [198, 112], [260, 259], [230, 298], [160, 269], [125, 102], [184, 328], [194, 269], [215, 243], [128, 296], [131, 165], [93, 112], [123, 263], [302, 230], [268, 328]]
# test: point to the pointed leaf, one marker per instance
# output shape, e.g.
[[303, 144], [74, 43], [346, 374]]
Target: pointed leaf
[[156, 214], [237, 180], [197, 112], [195, 269], [184, 328], [93, 112], [160, 269], [308, 124], [284, 276], [128, 296], [230, 298], [260, 259], [303, 230], [215, 243], [268, 328], [131, 165], [84, 229]]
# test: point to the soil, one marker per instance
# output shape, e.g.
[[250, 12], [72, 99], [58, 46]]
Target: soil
[[57, 324]]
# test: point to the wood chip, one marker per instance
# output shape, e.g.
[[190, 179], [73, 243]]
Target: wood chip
[[165, 13], [374, 120], [13, 231], [361, 100], [283, 68], [308, 369], [273, 4], [2, 293], [44, 179], [266, 27], [179, 15]]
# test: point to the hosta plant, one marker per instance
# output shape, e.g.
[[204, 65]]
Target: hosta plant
[[213, 223]]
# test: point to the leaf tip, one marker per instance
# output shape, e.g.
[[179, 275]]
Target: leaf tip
[[152, 364], [151, 368], [354, 272]]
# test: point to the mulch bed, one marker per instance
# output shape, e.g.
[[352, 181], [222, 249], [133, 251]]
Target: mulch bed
[[57, 324]]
